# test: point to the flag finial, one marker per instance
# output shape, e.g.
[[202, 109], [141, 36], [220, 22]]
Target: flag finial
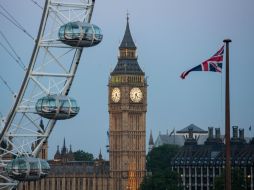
[[227, 40]]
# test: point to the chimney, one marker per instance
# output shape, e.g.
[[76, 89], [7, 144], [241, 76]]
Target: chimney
[[235, 132], [210, 132], [241, 134], [190, 132], [217, 133]]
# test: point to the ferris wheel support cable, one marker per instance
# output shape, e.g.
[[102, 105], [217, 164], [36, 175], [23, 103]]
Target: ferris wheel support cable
[[18, 60], [12, 56], [6, 84], [69, 81], [29, 69], [11, 19], [36, 3]]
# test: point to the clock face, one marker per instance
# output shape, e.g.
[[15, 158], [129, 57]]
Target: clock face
[[116, 95], [136, 95]]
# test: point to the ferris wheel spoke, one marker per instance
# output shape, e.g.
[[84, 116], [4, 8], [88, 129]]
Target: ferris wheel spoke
[[54, 44], [5, 153], [4, 177], [51, 74], [14, 151], [45, 90], [33, 122], [60, 14], [25, 121], [78, 16], [30, 123], [56, 59]]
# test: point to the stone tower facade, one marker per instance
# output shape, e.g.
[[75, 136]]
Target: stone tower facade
[[127, 106], [43, 154]]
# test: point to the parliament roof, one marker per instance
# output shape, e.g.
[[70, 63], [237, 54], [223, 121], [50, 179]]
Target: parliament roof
[[213, 154], [194, 128]]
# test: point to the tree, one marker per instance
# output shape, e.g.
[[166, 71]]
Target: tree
[[252, 141], [81, 155], [160, 157], [237, 180], [162, 180], [159, 167]]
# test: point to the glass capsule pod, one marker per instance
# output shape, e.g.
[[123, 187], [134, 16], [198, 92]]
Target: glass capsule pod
[[57, 107], [80, 34], [27, 168]]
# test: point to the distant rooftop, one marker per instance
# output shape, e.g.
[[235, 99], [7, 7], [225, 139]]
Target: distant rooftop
[[194, 128], [176, 139]]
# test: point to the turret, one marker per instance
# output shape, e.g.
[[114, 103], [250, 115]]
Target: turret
[[57, 156], [151, 143]]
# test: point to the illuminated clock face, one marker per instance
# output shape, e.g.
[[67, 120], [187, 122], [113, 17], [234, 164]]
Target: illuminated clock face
[[136, 95], [116, 95]]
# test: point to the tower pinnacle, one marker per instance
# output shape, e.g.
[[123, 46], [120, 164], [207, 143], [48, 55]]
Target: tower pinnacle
[[127, 41], [100, 155], [151, 138], [127, 61], [128, 15], [151, 143], [64, 149]]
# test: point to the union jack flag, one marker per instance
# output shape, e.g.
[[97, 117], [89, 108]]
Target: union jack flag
[[213, 64]]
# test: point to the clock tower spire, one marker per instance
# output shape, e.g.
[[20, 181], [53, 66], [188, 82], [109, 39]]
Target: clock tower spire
[[127, 97]]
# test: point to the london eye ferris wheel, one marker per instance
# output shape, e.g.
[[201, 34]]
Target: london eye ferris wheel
[[43, 98]]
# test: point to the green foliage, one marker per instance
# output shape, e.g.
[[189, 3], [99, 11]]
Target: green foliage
[[252, 141], [81, 155], [163, 180], [237, 180], [159, 167], [160, 157], [219, 182]]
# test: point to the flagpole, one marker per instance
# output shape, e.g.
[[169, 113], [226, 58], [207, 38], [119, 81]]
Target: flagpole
[[227, 120]]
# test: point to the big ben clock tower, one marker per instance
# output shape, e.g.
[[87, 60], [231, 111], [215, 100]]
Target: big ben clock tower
[[127, 105]]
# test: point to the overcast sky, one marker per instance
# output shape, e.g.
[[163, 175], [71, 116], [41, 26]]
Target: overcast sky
[[172, 36]]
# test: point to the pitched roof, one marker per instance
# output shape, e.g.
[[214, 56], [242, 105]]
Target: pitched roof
[[195, 129], [127, 66], [213, 154], [173, 139], [176, 139], [127, 41]]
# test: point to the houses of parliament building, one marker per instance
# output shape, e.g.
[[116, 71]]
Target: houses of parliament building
[[127, 106]]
